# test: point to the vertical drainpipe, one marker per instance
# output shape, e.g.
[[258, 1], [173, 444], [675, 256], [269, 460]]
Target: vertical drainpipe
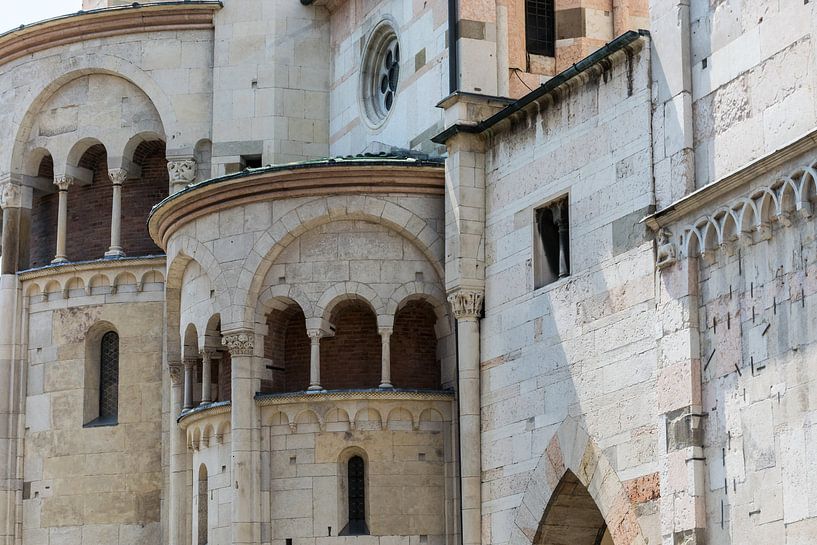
[[453, 56]]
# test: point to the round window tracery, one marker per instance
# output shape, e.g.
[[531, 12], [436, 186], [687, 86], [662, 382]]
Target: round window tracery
[[380, 74]]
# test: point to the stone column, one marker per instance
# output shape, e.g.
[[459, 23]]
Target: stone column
[[62, 183], [559, 212], [206, 381], [118, 177], [189, 363], [178, 457], [315, 360], [181, 171], [245, 439], [467, 307], [11, 203], [385, 357]]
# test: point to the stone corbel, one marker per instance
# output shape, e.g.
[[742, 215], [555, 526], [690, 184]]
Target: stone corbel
[[466, 304], [666, 255], [240, 343]]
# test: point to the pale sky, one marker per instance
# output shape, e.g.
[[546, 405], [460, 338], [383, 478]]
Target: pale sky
[[19, 12]]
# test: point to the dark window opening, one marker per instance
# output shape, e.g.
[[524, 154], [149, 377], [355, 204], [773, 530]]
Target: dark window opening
[[552, 243], [251, 161], [109, 379], [357, 497], [540, 27]]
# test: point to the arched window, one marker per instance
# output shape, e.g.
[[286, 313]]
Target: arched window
[[109, 378], [357, 497], [202, 506]]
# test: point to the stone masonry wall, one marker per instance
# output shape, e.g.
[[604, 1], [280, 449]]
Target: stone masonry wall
[[580, 352], [102, 484], [752, 90], [758, 305]]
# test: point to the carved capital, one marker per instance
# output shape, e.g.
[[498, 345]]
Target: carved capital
[[176, 373], [63, 182], [118, 175], [189, 363], [183, 171], [240, 343], [385, 332], [11, 196], [466, 304], [208, 354], [315, 334]]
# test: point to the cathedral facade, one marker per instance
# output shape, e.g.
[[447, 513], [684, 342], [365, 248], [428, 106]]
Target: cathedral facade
[[409, 272]]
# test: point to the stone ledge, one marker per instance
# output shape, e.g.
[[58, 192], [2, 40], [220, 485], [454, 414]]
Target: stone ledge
[[103, 23]]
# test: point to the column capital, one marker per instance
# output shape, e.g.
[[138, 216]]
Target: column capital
[[182, 171], [190, 362], [208, 353], [11, 196], [239, 343], [385, 331], [466, 304], [63, 182], [176, 373], [316, 334], [117, 175]]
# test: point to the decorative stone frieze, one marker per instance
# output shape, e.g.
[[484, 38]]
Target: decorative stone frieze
[[239, 344], [466, 304]]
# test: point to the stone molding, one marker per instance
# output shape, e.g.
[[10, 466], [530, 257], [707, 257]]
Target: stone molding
[[118, 175], [96, 24], [63, 182], [466, 304], [11, 196], [240, 343], [322, 180]]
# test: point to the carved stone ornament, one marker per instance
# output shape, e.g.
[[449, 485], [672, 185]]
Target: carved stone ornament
[[182, 171], [666, 249], [176, 373], [466, 304], [10, 196], [118, 175], [239, 344], [63, 182]]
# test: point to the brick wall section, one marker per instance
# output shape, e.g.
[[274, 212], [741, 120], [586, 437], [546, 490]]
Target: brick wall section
[[351, 359], [89, 208], [287, 347], [414, 347], [225, 375], [139, 196], [43, 221]]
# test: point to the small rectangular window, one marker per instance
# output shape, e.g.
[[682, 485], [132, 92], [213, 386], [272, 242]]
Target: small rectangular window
[[551, 253], [251, 161], [540, 27]]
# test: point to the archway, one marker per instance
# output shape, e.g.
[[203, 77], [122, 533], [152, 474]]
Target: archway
[[572, 517]]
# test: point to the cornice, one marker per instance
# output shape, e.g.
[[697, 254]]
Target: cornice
[[89, 25], [292, 181], [263, 400], [96, 265], [709, 194]]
